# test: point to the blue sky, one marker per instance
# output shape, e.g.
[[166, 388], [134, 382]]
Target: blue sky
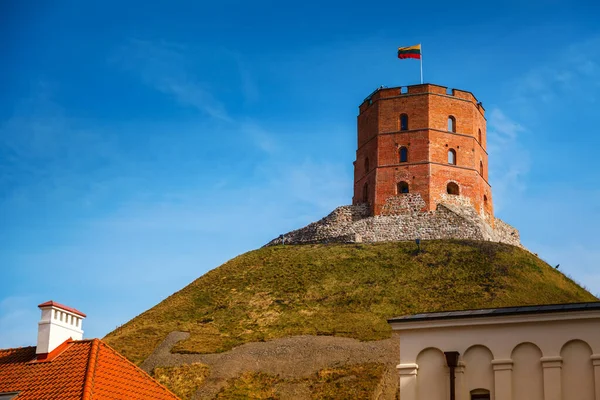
[[143, 144]]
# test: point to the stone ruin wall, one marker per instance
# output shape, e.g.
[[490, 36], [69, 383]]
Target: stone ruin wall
[[403, 219]]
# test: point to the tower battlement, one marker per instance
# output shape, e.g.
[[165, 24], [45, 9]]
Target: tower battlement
[[425, 88]]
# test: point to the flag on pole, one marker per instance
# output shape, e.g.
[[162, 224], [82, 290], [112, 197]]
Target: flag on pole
[[410, 52]]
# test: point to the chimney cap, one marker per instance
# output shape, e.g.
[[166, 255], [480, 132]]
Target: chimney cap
[[62, 307]]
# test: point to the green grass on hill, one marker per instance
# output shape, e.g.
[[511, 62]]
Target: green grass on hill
[[182, 380], [345, 383], [346, 290]]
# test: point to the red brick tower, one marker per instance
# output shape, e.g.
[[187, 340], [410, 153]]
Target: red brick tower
[[424, 140]]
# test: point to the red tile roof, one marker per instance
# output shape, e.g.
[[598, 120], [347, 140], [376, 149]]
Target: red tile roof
[[85, 369], [58, 305]]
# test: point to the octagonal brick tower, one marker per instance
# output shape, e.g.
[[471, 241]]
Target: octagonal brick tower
[[422, 140]]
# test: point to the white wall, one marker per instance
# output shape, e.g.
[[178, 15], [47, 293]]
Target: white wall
[[479, 374], [527, 375], [577, 376], [432, 368]]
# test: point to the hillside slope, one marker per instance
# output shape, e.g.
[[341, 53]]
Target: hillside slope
[[342, 290]]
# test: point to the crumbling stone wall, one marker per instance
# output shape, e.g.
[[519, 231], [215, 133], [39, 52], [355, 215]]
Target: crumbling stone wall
[[508, 233], [403, 204], [404, 221]]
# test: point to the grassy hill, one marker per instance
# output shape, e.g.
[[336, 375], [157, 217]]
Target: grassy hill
[[345, 290]]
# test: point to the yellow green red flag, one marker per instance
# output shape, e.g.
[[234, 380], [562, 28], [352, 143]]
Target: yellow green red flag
[[410, 52]]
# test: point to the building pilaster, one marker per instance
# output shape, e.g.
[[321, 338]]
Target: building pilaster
[[460, 384], [408, 381], [596, 363], [552, 367], [502, 379]]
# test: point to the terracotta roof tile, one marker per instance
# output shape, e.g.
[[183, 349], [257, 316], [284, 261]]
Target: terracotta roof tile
[[86, 369], [114, 375], [58, 305]]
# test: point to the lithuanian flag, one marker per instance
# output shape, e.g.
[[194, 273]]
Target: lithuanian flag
[[410, 52]]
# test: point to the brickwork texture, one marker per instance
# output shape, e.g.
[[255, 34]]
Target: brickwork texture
[[429, 121]]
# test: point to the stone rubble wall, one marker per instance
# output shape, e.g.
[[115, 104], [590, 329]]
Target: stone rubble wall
[[508, 233], [406, 203], [404, 221]]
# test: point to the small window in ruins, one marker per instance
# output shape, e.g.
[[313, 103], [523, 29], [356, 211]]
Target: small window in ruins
[[479, 136], [402, 187], [366, 193], [481, 168], [366, 164], [452, 188]]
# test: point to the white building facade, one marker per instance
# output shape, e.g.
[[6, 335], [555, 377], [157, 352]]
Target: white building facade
[[549, 352]]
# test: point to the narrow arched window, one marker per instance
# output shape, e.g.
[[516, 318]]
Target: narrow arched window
[[452, 156], [451, 124], [403, 122], [366, 164], [481, 168], [484, 201], [403, 152], [452, 188], [402, 187], [366, 193], [479, 136]]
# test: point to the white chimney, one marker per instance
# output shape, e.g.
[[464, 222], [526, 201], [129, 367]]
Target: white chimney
[[58, 324]]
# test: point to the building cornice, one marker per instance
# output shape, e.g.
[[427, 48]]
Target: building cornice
[[496, 320]]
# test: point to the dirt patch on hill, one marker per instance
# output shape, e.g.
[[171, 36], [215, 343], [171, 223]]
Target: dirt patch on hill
[[288, 358]]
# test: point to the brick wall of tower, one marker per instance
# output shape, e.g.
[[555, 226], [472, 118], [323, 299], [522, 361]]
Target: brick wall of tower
[[428, 140], [367, 123]]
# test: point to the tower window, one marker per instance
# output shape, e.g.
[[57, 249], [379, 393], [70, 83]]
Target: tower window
[[402, 187], [479, 136], [366, 164], [484, 200], [451, 124], [452, 188], [403, 122], [481, 168], [403, 154], [366, 193], [452, 156]]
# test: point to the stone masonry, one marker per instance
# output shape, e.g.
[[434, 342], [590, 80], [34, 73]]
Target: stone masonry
[[421, 171], [406, 221]]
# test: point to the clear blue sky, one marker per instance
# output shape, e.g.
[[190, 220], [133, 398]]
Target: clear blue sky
[[144, 143]]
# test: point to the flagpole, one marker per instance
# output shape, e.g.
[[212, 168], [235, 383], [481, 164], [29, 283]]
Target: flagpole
[[421, 64]]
